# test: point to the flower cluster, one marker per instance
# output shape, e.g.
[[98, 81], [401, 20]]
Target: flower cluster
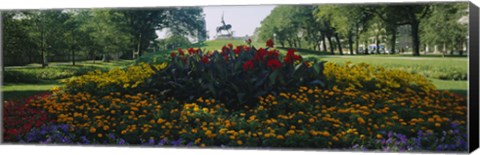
[[244, 97], [234, 75], [115, 79], [19, 118]]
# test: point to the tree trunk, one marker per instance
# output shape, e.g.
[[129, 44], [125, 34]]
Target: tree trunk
[[393, 41], [415, 39], [350, 43], [299, 43], [44, 59], [138, 46], [366, 47], [73, 50], [357, 39], [324, 44], [377, 44], [339, 44], [332, 50]]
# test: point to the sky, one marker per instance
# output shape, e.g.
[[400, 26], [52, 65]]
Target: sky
[[244, 19]]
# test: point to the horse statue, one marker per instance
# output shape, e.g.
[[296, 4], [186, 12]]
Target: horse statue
[[224, 27]]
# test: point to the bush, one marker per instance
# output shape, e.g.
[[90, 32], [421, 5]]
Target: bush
[[19, 77], [236, 76], [127, 80], [35, 75]]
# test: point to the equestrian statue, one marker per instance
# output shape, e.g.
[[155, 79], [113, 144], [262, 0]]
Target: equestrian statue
[[224, 27]]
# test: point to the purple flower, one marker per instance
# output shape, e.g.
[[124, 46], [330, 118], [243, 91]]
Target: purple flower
[[177, 142], [403, 138], [454, 124], [64, 127], [151, 141], [162, 142], [420, 133], [85, 140], [111, 136], [121, 141]]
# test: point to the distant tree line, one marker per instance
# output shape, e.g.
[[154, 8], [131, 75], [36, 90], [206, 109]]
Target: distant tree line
[[34, 36], [342, 28]]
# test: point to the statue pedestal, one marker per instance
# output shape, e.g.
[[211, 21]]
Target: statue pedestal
[[224, 36]]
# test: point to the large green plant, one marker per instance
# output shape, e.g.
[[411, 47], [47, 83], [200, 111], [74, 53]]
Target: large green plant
[[236, 76]]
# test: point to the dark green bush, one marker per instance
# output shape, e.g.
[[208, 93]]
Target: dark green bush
[[237, 76]]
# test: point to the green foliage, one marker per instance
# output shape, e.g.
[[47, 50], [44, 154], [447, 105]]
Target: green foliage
[[452, 32], [234, 76], [173, 42]]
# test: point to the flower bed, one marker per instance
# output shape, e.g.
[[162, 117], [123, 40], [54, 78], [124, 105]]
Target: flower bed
[[196, 100]]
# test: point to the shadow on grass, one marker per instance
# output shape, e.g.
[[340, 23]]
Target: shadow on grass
[[20, 94], [306, 51], [458, 91]]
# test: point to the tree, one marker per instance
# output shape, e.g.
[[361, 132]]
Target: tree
[[107, 33], [444, 26], [411, 14]]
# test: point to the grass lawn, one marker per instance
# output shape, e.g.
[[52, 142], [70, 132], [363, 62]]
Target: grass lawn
[[435, 67], [18, 91], [50, 76]]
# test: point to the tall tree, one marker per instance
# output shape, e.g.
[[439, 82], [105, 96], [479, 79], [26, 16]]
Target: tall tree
[[411, 14], [445, 25]]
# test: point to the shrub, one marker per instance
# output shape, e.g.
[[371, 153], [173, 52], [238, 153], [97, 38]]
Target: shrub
[[236, 76], [117, 79], [19, 118]]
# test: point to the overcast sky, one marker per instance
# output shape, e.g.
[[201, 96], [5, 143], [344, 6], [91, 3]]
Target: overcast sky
[[244, 19]]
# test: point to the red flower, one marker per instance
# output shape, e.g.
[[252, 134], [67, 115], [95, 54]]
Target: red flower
[[287, 60], [246, 48], [248, 65], [184, 59], [226, 57], [291, 56], [249, 41], [205, 59], [273, 54], [225, 49], [260, 54], [238, 50], [230, 45], [269, 43], [274, 64], [173, 54], [191, 51], [181, 51]]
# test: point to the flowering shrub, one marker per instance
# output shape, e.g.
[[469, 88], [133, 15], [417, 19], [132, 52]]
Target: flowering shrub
[[244, 97], [114, 80], [235, 76], [309, 117], [365, 77], [19, 118]]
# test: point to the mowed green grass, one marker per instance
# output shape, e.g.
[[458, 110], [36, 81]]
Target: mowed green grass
[[430, 66], [66, 70], [18, 91]]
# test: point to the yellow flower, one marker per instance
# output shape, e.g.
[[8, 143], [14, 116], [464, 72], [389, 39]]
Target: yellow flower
[[92, 130], [239, 142], [280, 137], [379, 136], [100, 135], [361, 120]]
